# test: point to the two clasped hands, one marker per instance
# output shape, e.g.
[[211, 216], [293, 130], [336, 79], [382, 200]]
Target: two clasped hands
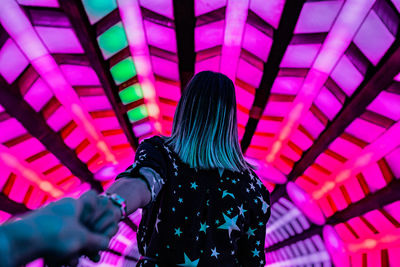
[[61, 232]]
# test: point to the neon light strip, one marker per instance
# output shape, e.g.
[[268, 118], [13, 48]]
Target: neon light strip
[[375, 243], [288, 217], [132, 20], [304, 260], [387, 142], [235, 21], [19, 28], [339, 38], [24, 170]]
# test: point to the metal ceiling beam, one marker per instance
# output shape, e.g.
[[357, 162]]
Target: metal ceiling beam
[[373, 201], [86, 34], [12, 207], [36, 125], [281, 39], [377, 79], [185, 22]]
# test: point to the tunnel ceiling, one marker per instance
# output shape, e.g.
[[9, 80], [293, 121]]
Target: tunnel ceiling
[[82, 83]]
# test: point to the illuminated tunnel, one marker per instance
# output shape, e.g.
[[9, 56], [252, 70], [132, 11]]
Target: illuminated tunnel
[[82, 83]]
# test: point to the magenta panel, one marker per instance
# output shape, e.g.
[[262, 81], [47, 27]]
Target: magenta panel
[[242, 117], [44, 163], [209, 35], [208, 64], [300, 56], [397, 4], [38, 95], [317, 16], [10, 129], [248, 73], [345, 148], [374, 177], [163, 7], [346, 76], [380, 222], [354, 189], [106, 123], [60, 40], [301, 140], [393, 159], [19, 189], [364, 130], [165, 68], [44, 3], [160, 36], [205, 6], [280, 109], [20, 150], [4, 216], [338, 198], [95, 103], [327, 103], [244, 98], [270, 11], [287, 85], [386, 104], [79, 75], [373, 38], [312, 124], [12, 61], [35, 199], [256, 42], [168, 91], [59, 119], [75, 138]]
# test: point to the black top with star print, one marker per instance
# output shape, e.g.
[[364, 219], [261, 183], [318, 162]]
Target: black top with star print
[[207, 218]]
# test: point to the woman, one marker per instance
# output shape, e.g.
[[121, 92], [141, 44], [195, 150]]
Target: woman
[[203, 205]]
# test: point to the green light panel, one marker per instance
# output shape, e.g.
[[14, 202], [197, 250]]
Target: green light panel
[[113, 40], [98, 9], [137, 113], [123, 70], [131, 94]]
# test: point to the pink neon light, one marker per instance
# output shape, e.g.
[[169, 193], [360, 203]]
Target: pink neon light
[[205, 6], [305, 203], [337, 41], [372, 153], [12, 61], [335, 246], [22, 169], [236, 14], [270, 10], [133, 22], [60, 40], [18, 26]]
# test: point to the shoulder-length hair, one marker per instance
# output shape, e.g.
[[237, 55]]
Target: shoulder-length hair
[[204, 131]]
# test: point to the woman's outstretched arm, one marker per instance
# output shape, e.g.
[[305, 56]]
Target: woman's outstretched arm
[[134, 191]]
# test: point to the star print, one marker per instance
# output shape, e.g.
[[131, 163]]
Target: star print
[[250, 232], [230, 224], [260, 224], [255, 253], [208, 204], [214, 253], [157, 221], [259, 183], [173, 209], [178, 231], [188, 262], [233, 181], [241, 210], [225, 193], [258, 243], [203, 227], [264, 205], [216, 221], [175, 166], [229, 212], [180, 200], [251, 176], [252, 186], [193, 185], [247, 190]]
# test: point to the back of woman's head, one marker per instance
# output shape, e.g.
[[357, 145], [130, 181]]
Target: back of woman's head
[[204, 131]]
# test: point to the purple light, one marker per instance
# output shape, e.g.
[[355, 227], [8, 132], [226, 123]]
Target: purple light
[[334, 245], [305, 203], [12, 61], [106, 173]]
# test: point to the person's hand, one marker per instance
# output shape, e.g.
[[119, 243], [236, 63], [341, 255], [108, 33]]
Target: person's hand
[[63, 230]]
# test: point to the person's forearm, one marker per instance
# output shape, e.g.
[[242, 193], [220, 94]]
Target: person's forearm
[[23, 243], [134, 191]]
